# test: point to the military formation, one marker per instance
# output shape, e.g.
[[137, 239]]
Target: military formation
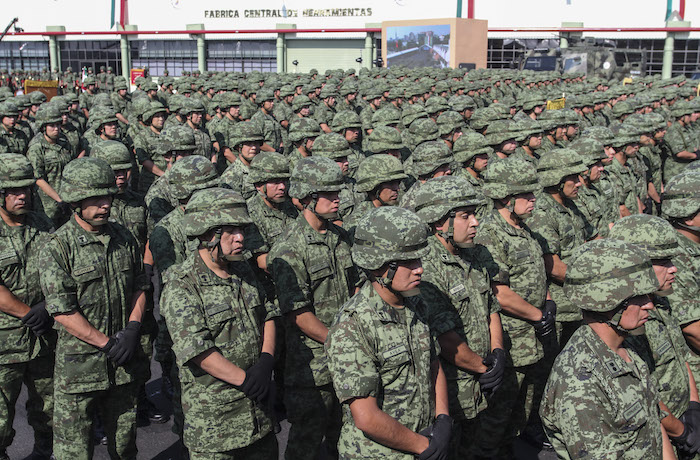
[[402, 263]]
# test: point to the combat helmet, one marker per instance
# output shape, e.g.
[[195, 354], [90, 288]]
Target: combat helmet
[[268, 166], [245, 131], [313, 175], [191, 105], [590, 150], [386, 116], [442, 196], [681, 197], [179, 138], [423, 130], [331, 145], [300, 102], [429, 156], [152, 109], [449, 121], [303, 128], [383, 138], [37, 97], [8, 108], [48, 114], [556, 164], [15, 172], [510, 176], [114, 153], [603, 274], [212, 208], [85, 178], [192, 173], [345, 119], [378, 169], [653, 234], [468, 146], [388, 235]]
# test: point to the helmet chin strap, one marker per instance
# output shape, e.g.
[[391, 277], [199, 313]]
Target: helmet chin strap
[[94, 222], [614, 322], [325, 216], [449, 234], [215, 245], [691, 228], [387, 281]]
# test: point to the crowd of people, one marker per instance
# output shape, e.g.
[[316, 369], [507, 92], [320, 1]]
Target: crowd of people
[[402, 263]]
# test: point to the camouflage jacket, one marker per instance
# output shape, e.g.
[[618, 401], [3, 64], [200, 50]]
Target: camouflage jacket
[[597, 405], [129, 210], [665, 352], [13, 142], [203, 142], [684, 300], [271, 223], [48, 161], [459, 298], [168, 242], [678, 138], [271, 128], [515, 261], [559, 230], [594, 207], [19, 273], [96, 275], [314, 271], [145, 148], [324, 114], [235, 177], [204, 312], [384, 352], [159, 201]]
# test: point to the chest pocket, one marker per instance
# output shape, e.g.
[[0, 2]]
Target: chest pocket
[[85, 273], [519, 259], [219, 313], [319, 270], [8, 258]]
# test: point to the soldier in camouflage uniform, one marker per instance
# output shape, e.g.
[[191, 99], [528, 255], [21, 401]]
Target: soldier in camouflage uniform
[[325, 111], [93, 281], [431, 159], [230, 106], [12, 139], [382, 358], [23, 105], [49, 154], [87, 97], [626, 145], [223, 335], [520, 284], [379, 177], [302, 135], [681, 207], [462, 310], [246, 140], [451, 126], [193, 112], [471, 155], [680, 143], [662, 345], [387, 139], [28, 340], [270, 127], [373, 96], [314, 275], [600, 400], [335, 147], [145, 145], [347, 124], [560, 228]]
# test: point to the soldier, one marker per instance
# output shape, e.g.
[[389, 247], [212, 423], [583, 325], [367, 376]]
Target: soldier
[[314, 275], [680, 146], [451, 125], [109, 79], [335, 147], [600, 399], [193, 110], [101, 80], [152, 165], [28, 340], [302, 106], [374, 101], [93, 280], [681, 207], [271, 128], [12, 139], [325, 111], [121, 100], [246, 140], [387, 140], [560, 228], [68, 129], [302, 135], [662, 345], [347, 124], [431, 159], [471, 155], [383, 362], [625, 144], [24, 105], [49, 154], [519, 282], [87, 97], [462, 310], [36, 98], [225, 360], [230, 106]]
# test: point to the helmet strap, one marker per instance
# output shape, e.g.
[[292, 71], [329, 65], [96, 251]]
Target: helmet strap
[[325, 216], [215, 245], [386, 281]]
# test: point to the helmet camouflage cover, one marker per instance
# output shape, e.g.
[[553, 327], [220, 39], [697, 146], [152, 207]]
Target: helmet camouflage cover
[[212, 208], [315, 174], [15, 171], [86, 178]]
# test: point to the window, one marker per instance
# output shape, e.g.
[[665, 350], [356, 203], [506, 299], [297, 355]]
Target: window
[[90, 53], [158, 55], [242, 55], [24, 55]]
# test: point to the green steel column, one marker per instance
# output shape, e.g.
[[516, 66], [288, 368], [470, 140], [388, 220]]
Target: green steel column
[[126, 53], [368, 52], [280, 54], [667, 67], [54, 58], [201, 46]]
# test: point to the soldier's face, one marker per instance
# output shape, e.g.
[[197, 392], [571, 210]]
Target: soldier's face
[[480, 162], [388, 192], [524, 204], [352, 134], [570, 186], [327, 203], [234, 111], [268, 105], [275, 190], [18, 200], [9, 122], [509, 146], [408, 275], [595, 172], [535, 141], [250, 149], [636, 313], [465, 224], [609, 151], [571, 130], [96, 209], [231, 240], [659, 134], [304, 112], [632, 149], [665, 273], [53, 130], [196, 118], [344, 165], [158, 120], [110, 129], [646, 139]]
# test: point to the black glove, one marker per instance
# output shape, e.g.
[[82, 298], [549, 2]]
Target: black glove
[[38, 319], [148, 270], [689, 441], [692, 414], [439, 439], [546, 326], [64, 207], [258, 378], [493, 377], [108, 346], [127, 340]]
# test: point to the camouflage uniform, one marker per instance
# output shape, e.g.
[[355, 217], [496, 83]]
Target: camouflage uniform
[[15, 141], [235, 176], [192, 306], [380, 351], [678, 138], [146, 147], [426, 159], [25, 358], [271, 128], [95, 275], [596, 403], [311, 271]]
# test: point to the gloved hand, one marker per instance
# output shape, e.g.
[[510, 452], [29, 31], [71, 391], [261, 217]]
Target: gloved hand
[[493, 377], [258, 378], [64, 207], [127, 340], [38, 319], [439, 438], [108, 346], [546, 326], [689, 441], [148, 270], [692, 414]]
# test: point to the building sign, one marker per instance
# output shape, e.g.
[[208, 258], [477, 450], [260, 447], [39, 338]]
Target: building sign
[[135, 73], [284, 13]]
